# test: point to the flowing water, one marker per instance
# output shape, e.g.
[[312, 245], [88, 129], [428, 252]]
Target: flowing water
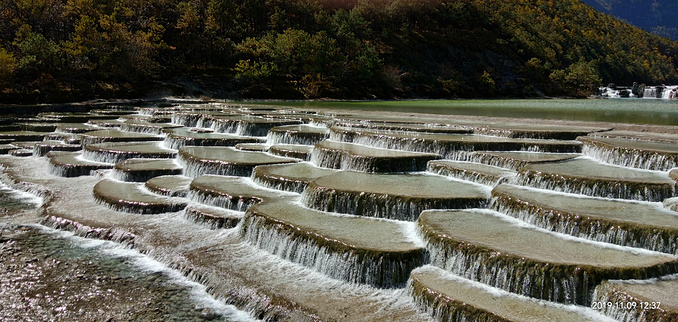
[[389, 219], [53, 275]]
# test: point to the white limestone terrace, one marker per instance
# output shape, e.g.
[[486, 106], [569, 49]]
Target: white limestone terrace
[[290, 240]]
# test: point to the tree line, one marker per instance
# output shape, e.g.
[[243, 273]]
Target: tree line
[[55, 50]]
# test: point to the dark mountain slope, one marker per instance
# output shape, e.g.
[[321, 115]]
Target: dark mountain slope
[[657, 16], [62, 50]]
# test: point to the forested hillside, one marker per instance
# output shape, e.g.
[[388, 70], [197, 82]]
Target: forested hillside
[[55, 50]]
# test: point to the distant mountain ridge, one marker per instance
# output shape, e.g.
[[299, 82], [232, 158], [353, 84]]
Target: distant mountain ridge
[[657, 16]]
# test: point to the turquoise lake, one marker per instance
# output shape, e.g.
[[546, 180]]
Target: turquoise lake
[[635, 111]]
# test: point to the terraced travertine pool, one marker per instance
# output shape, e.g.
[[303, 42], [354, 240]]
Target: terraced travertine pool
[[302, 214]]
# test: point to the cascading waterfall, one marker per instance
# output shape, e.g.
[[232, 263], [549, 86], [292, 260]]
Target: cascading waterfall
[[347, 264], [621, 307], [405, 208], [350, 156], [497, 176], [200, 216], [494, 160], [196, 169], [295, 137], [441, 308], [174, 143], [186, 119], [113, 234], [332, 159], [41, 149], [140, 128], [662, 92], [73, 165], [449, 297], [597, 230], [631, 158], [394, 143], [336, 159], [515, 277], [227, 202], [453, 147], [223, 125], [598, 188], [283, 184], [651, 92], [113, 157]]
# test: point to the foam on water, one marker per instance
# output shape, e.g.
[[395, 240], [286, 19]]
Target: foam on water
[[585, 311], [634, 159], [312, 275], [409, 230], [198, 291], [486, 189], [212, 223], [28, 197], [310, 138], [652, 191], [83, 157], [519, 223], [653, 241], [288, 275], [23, 187], [354, 264]]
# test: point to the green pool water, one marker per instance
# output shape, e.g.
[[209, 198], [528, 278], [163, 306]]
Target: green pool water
[[636, 111]]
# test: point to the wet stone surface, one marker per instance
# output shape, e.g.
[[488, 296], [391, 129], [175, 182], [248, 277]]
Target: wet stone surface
[[517, 160], [408, 127], [475, 172], [129, 197], [230, 192], [141, 170], [179, 137], [298, 134], [173, 186], [297, 151], [648, 300], [481, 245], [642, 154], [42, 148], [452, 146], [592, 178], [635, 135], [400, 197], [355, 249], [356, 157], [46, 277], [454, 296], [213, 217], [72, 164], [114, 152], [622, 222], [23, 135], [102, 136], [537, 131], [289, 177], [198, 161]]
